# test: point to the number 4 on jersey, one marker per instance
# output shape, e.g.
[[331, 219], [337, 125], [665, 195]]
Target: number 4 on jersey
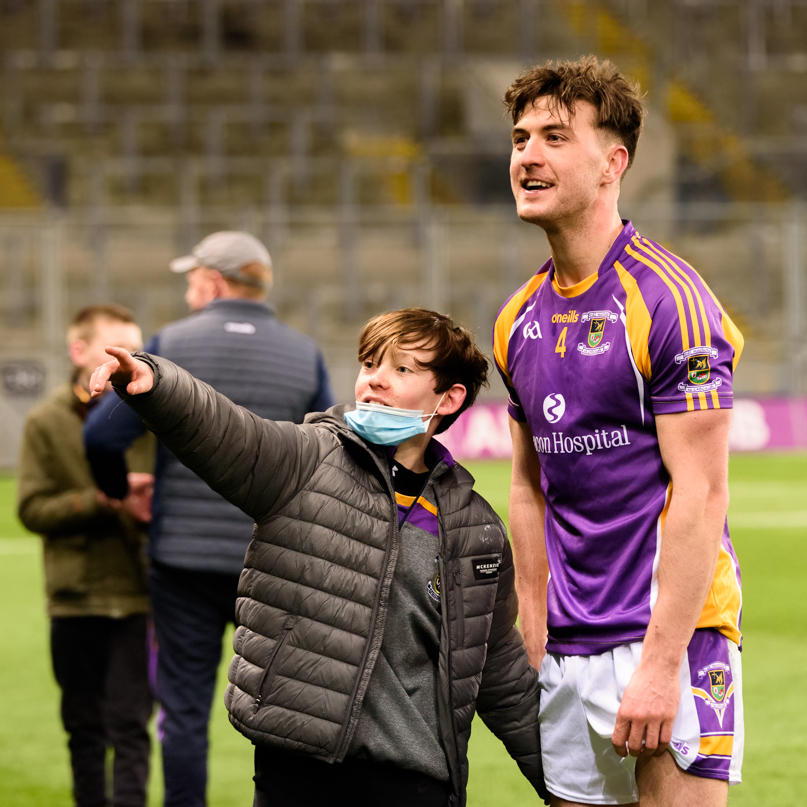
[[561, 345]]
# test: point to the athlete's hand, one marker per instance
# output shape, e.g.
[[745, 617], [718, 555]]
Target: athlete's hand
[[123, 369], [645, 718]]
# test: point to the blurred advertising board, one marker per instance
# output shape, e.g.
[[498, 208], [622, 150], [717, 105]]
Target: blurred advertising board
[[764, 424]]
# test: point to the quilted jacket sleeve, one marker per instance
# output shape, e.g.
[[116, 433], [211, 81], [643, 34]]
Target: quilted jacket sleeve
[[508, 693], [256, 464]]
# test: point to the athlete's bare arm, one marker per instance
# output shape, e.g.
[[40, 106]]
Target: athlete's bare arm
[[527, 509], [694, 449], [123, 369]]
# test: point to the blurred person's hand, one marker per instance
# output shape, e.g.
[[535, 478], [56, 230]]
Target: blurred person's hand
[[138, 501], [123, 370], [106, 503]]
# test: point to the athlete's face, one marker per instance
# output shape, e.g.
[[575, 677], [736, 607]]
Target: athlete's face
[[396, 379], [559, 163]]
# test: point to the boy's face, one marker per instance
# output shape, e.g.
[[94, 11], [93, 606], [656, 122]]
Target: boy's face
[[557, 163], [395, 379], [89, 354]]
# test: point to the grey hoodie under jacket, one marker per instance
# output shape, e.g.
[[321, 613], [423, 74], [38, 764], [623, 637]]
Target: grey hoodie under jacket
[[314, 591]]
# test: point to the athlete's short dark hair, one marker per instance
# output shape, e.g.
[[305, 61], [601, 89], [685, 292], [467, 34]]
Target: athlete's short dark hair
[[456, 358], [616, 98]]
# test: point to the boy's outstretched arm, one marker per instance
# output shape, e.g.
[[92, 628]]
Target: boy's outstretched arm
[[254, 463]]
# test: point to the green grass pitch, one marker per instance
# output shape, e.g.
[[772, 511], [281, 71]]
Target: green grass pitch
[[768, 520]]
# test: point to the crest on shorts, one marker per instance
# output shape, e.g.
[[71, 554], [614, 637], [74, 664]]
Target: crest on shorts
[[717, 680], [698, 369], [716, 688]]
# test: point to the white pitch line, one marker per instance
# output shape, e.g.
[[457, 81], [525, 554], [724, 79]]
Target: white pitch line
[[787, 520], [19, 546]]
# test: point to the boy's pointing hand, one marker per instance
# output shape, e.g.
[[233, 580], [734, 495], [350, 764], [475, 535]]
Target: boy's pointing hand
[[124, 369]]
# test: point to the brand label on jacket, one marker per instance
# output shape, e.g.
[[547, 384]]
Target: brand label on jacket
[[487, 567]]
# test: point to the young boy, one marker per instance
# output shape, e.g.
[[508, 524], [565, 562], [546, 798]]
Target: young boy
[[94, 574], [377, 606]]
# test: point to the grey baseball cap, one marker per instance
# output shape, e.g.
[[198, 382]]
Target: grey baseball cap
[[226, 251]]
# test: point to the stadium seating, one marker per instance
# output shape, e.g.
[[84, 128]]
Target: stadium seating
[[365, 141]]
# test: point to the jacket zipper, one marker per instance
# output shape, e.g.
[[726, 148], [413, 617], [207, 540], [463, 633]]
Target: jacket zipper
[[450, 742], [346, 733], [453, 764], [458, 604], [265, 679]]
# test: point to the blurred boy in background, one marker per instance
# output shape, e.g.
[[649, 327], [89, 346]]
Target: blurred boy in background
[[95, 575]]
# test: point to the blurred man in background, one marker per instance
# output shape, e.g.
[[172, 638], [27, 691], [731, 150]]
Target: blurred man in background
[[235, 343], [95, 574], [619, 363]]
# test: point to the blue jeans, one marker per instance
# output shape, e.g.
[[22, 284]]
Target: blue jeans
[[191, 612]]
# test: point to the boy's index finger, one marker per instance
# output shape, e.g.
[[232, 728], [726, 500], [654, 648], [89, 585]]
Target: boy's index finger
[[118, 352]]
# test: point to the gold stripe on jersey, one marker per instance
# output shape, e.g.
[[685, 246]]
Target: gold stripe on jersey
[[682, 319], [665, 266], [507, 316], [707, 332], [408, 501], [730, 331], [724, 602], [637, 320]]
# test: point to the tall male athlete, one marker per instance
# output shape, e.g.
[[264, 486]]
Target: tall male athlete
[[619, 362]]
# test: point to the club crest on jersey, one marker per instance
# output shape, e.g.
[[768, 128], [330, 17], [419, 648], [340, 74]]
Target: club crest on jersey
[[433, 588], [716, 688], [595, 332], [699, 369]]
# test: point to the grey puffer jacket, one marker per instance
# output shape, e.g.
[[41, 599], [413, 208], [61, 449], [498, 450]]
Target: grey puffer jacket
[[314, 591]]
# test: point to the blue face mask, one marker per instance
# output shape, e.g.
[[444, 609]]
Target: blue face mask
[[386, 425]]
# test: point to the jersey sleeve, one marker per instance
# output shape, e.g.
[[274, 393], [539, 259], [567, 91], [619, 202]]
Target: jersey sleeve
[[501, 338], [693, 348]]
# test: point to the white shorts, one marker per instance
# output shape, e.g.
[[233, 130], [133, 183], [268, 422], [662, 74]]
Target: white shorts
[[580, 696]]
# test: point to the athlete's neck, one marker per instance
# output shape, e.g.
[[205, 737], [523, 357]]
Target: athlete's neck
[[579, 249]]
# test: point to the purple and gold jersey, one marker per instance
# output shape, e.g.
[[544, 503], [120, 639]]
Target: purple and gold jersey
[[588, 368]]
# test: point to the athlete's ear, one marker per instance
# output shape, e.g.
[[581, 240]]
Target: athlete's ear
[[617, 163]]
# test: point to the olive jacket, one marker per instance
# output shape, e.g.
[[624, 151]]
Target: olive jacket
[[94, 559], [314, 591]]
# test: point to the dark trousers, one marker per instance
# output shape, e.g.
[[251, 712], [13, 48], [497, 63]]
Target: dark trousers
[[191, 612], [291, 780], [101, 665]]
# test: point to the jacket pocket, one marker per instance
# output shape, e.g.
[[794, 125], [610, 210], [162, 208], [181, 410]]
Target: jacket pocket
[[265, 685], [66, 566], [475, 580]]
